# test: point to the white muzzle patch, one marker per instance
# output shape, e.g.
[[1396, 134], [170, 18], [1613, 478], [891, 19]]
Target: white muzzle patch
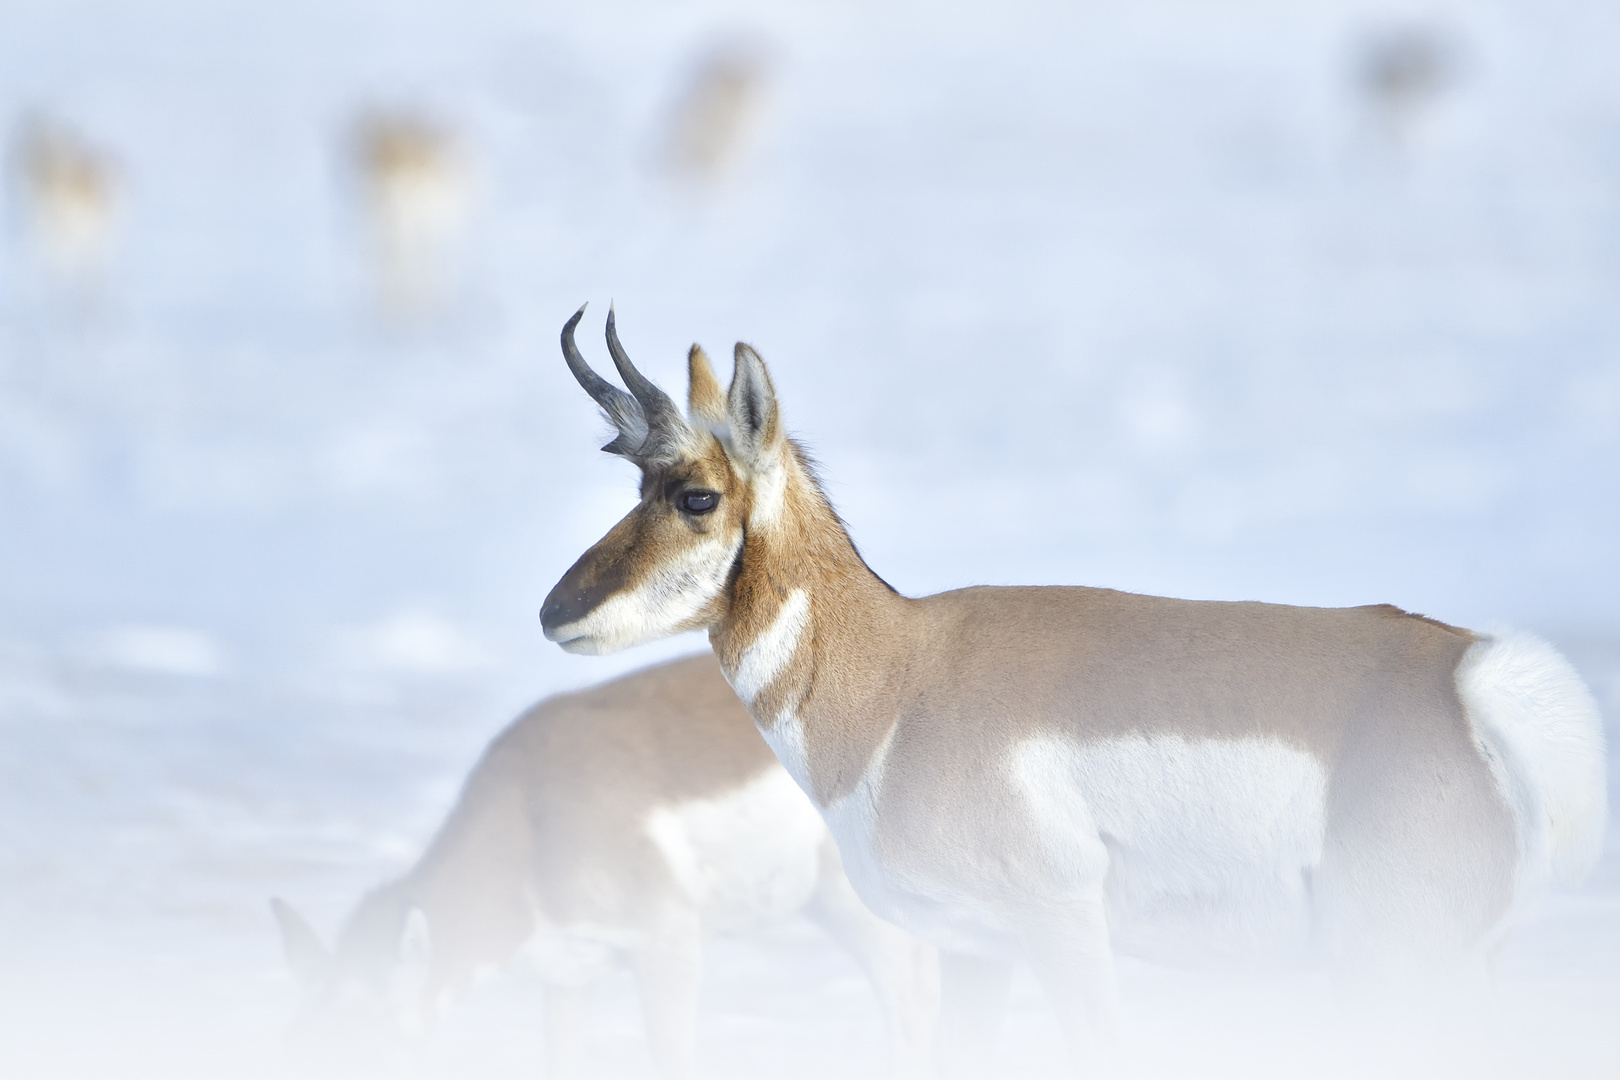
[[664, 603]]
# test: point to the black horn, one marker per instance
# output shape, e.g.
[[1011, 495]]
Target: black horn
[[624, 411], [661, 411]]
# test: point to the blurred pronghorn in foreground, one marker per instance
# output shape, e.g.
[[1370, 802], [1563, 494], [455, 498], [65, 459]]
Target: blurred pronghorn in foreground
[[1060, 773], [625, 821], [69, 189], [415, 185]]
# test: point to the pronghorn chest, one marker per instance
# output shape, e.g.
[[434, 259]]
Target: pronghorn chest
[[745, 857], [917, 897]]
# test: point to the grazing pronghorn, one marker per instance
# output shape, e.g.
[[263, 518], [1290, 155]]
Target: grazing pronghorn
[[70, 190], [414, 181], [1057, 773], [628, 820]]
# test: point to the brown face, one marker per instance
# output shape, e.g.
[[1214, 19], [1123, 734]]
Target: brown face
[[670, 564], [665, 568]]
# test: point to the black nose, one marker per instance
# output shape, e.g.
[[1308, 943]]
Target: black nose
[[569, 602], [551, 616], [559, 612]]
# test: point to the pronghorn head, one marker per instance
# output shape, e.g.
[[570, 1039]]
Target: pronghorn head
[[708, 480], [370, 995]]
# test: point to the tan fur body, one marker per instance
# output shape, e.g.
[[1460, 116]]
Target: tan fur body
[[1054, 773]]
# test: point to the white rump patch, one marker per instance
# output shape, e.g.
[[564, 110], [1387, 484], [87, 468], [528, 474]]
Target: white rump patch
[[1199, 841], [745, 857], [1538, 728], [770, 652], [662, 605]]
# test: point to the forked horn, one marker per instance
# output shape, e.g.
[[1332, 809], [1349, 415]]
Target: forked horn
[[661, 412], [625, 412]]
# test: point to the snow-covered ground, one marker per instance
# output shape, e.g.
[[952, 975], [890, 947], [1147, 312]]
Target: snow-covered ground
[[1166, 296]]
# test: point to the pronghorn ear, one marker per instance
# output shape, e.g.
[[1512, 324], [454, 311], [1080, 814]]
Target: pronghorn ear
[[306, 956], [756, 426], [705, 401]]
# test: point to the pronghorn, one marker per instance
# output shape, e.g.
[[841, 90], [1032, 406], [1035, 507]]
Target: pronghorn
[[628, 820], [1056, 773], [414, 181], [70, 190]]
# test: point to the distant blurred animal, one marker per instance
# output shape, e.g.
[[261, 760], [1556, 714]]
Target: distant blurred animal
[[624, 821], [416, 188], [1403, 71], [69, 188], [712, 117]]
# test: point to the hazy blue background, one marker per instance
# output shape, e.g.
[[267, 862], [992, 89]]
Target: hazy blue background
[[1165, 296]]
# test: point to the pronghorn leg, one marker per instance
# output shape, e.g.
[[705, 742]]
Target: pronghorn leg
[[973, 1000], [566, 1012], [668, 969], [1069, 949], [903, 971]]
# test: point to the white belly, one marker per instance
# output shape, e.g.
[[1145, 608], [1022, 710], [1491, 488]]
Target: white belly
[[1201, 847], [1205, 845]]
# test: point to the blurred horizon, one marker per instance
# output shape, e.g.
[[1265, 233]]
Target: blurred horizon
[[1305, 303]]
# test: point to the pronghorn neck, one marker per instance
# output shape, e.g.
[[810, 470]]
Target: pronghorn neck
[[802, 603]]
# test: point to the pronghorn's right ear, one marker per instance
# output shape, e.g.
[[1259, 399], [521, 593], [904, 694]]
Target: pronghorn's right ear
[[306, 956], [705, 400], [756, 425]]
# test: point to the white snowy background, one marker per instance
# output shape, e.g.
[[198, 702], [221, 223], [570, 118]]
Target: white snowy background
[[1151, 295]]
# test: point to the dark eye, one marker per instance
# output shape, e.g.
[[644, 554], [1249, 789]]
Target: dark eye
[[699, 502]]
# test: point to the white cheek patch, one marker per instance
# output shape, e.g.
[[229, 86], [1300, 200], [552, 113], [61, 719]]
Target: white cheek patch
[[663, 604], [769, 654]]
